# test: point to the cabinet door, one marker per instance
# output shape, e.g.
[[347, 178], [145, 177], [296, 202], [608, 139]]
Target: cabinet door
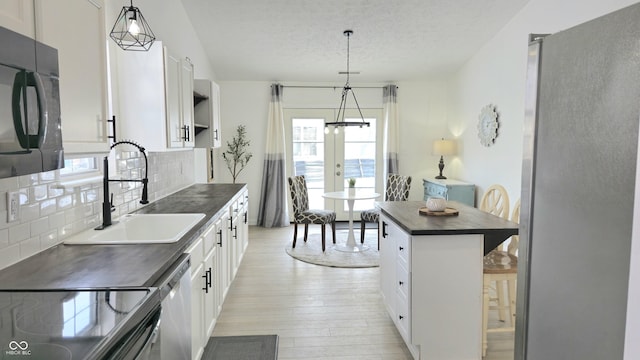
[[186, 103], [76, 28], [17, 15], [210, 302], [215, 121], [222, 244], [197, 309], [173, 67], [387, 266]]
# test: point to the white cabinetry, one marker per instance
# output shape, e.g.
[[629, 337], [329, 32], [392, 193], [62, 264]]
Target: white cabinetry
[[17, 15], [215, 258], [203, 289], [395, 280], [76, 28], [238, 231], [207, 113], [155, 97], [431, 286], [179, 101]]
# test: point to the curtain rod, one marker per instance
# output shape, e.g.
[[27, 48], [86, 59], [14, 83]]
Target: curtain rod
[[331, 87]]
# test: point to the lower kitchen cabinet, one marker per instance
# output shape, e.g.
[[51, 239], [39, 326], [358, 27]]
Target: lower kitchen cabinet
[[203, 317], [215, 258], [433, 297]]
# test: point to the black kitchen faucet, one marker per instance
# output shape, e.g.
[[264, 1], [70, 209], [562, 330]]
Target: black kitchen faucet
[[107, 200]]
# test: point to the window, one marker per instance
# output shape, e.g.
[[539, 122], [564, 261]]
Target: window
[[77, 314], [79, 166]]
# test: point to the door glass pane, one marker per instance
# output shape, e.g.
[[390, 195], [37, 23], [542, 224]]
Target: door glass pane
[[360, 159], [308, 156]]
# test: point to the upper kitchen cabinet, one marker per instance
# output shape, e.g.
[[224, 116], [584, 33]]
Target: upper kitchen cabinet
[[78, 33], [207, 113], [17, 15], [155, 97]]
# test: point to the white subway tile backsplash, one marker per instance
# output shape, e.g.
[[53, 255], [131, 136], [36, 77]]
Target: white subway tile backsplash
[[48, 239], [39, 193], [30, 247], [47, 207], [65, 202], [29, 212], [10, 255], [4, 238], [19, 233], [56, 220], [39, 226], [50, 212]]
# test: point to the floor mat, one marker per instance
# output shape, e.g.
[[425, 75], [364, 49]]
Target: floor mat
[[252, 347]]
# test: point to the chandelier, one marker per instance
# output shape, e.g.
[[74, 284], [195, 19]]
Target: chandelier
[[131, 31], [346, 90]]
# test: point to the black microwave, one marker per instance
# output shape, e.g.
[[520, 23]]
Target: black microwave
[[30, 125]]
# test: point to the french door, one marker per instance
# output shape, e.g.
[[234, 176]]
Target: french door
[[329, 159]]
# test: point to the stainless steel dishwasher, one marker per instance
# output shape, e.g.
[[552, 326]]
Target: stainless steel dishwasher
[[173, 340]]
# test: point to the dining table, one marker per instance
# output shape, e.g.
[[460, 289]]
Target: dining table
[[351, 195]]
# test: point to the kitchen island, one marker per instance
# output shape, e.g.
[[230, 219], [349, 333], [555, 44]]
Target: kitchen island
[[431, 275]]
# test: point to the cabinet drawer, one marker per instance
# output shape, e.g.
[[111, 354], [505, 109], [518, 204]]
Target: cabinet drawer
[[403, 317], [196, 253], [209, 239], [403, 251], [403, 281], [431, 189]]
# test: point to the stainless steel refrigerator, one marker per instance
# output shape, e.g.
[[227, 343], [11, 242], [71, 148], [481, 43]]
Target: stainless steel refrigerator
[[579, 176]]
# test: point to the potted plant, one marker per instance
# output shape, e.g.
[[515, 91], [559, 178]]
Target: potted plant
[[352, 185], [237, 154]]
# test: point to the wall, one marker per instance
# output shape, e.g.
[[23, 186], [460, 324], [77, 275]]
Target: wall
[[422, 114], [496, 75]]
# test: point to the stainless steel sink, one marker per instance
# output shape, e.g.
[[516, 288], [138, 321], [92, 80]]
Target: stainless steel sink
[[140, 229]]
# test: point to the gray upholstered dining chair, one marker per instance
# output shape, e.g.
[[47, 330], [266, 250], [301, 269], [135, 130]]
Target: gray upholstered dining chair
[[303, 215], [398, 187]]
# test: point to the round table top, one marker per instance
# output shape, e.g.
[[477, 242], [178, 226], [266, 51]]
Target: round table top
[[359, 194]]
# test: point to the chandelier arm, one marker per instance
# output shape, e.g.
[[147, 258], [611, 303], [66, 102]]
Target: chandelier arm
[[357, 105], [343, 105]]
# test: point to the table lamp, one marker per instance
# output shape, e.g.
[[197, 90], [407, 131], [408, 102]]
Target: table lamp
[[443, 147]]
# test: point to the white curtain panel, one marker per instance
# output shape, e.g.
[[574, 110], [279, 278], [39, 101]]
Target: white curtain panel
[[273, 210], [390, 131]]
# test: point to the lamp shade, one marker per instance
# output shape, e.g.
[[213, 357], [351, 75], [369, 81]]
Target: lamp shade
[[444, 147]]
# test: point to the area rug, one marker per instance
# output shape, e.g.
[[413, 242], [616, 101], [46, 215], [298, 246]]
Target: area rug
[[251, 347], [311, 251]]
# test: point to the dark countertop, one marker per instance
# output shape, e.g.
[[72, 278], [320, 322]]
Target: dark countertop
[[101, 266], [470, 220]]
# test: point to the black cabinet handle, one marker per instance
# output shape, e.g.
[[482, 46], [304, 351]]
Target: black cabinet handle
[[401, 283], [235, 232], [401, 248], [400, 317], [187, 133], [113, 128], [231, 224], [384, 230], [206, 282], [220, 237], [245, 217]]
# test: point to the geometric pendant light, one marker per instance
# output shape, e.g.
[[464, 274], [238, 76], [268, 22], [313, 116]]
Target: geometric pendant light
[[131, 31]]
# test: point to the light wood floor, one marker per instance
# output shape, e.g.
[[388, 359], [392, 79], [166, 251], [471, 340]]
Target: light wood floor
[[318, 312]]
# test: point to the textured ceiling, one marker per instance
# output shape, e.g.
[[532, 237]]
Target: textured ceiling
[[302, 40]]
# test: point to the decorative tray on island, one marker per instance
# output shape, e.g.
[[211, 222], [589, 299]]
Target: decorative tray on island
[[446, 212]]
